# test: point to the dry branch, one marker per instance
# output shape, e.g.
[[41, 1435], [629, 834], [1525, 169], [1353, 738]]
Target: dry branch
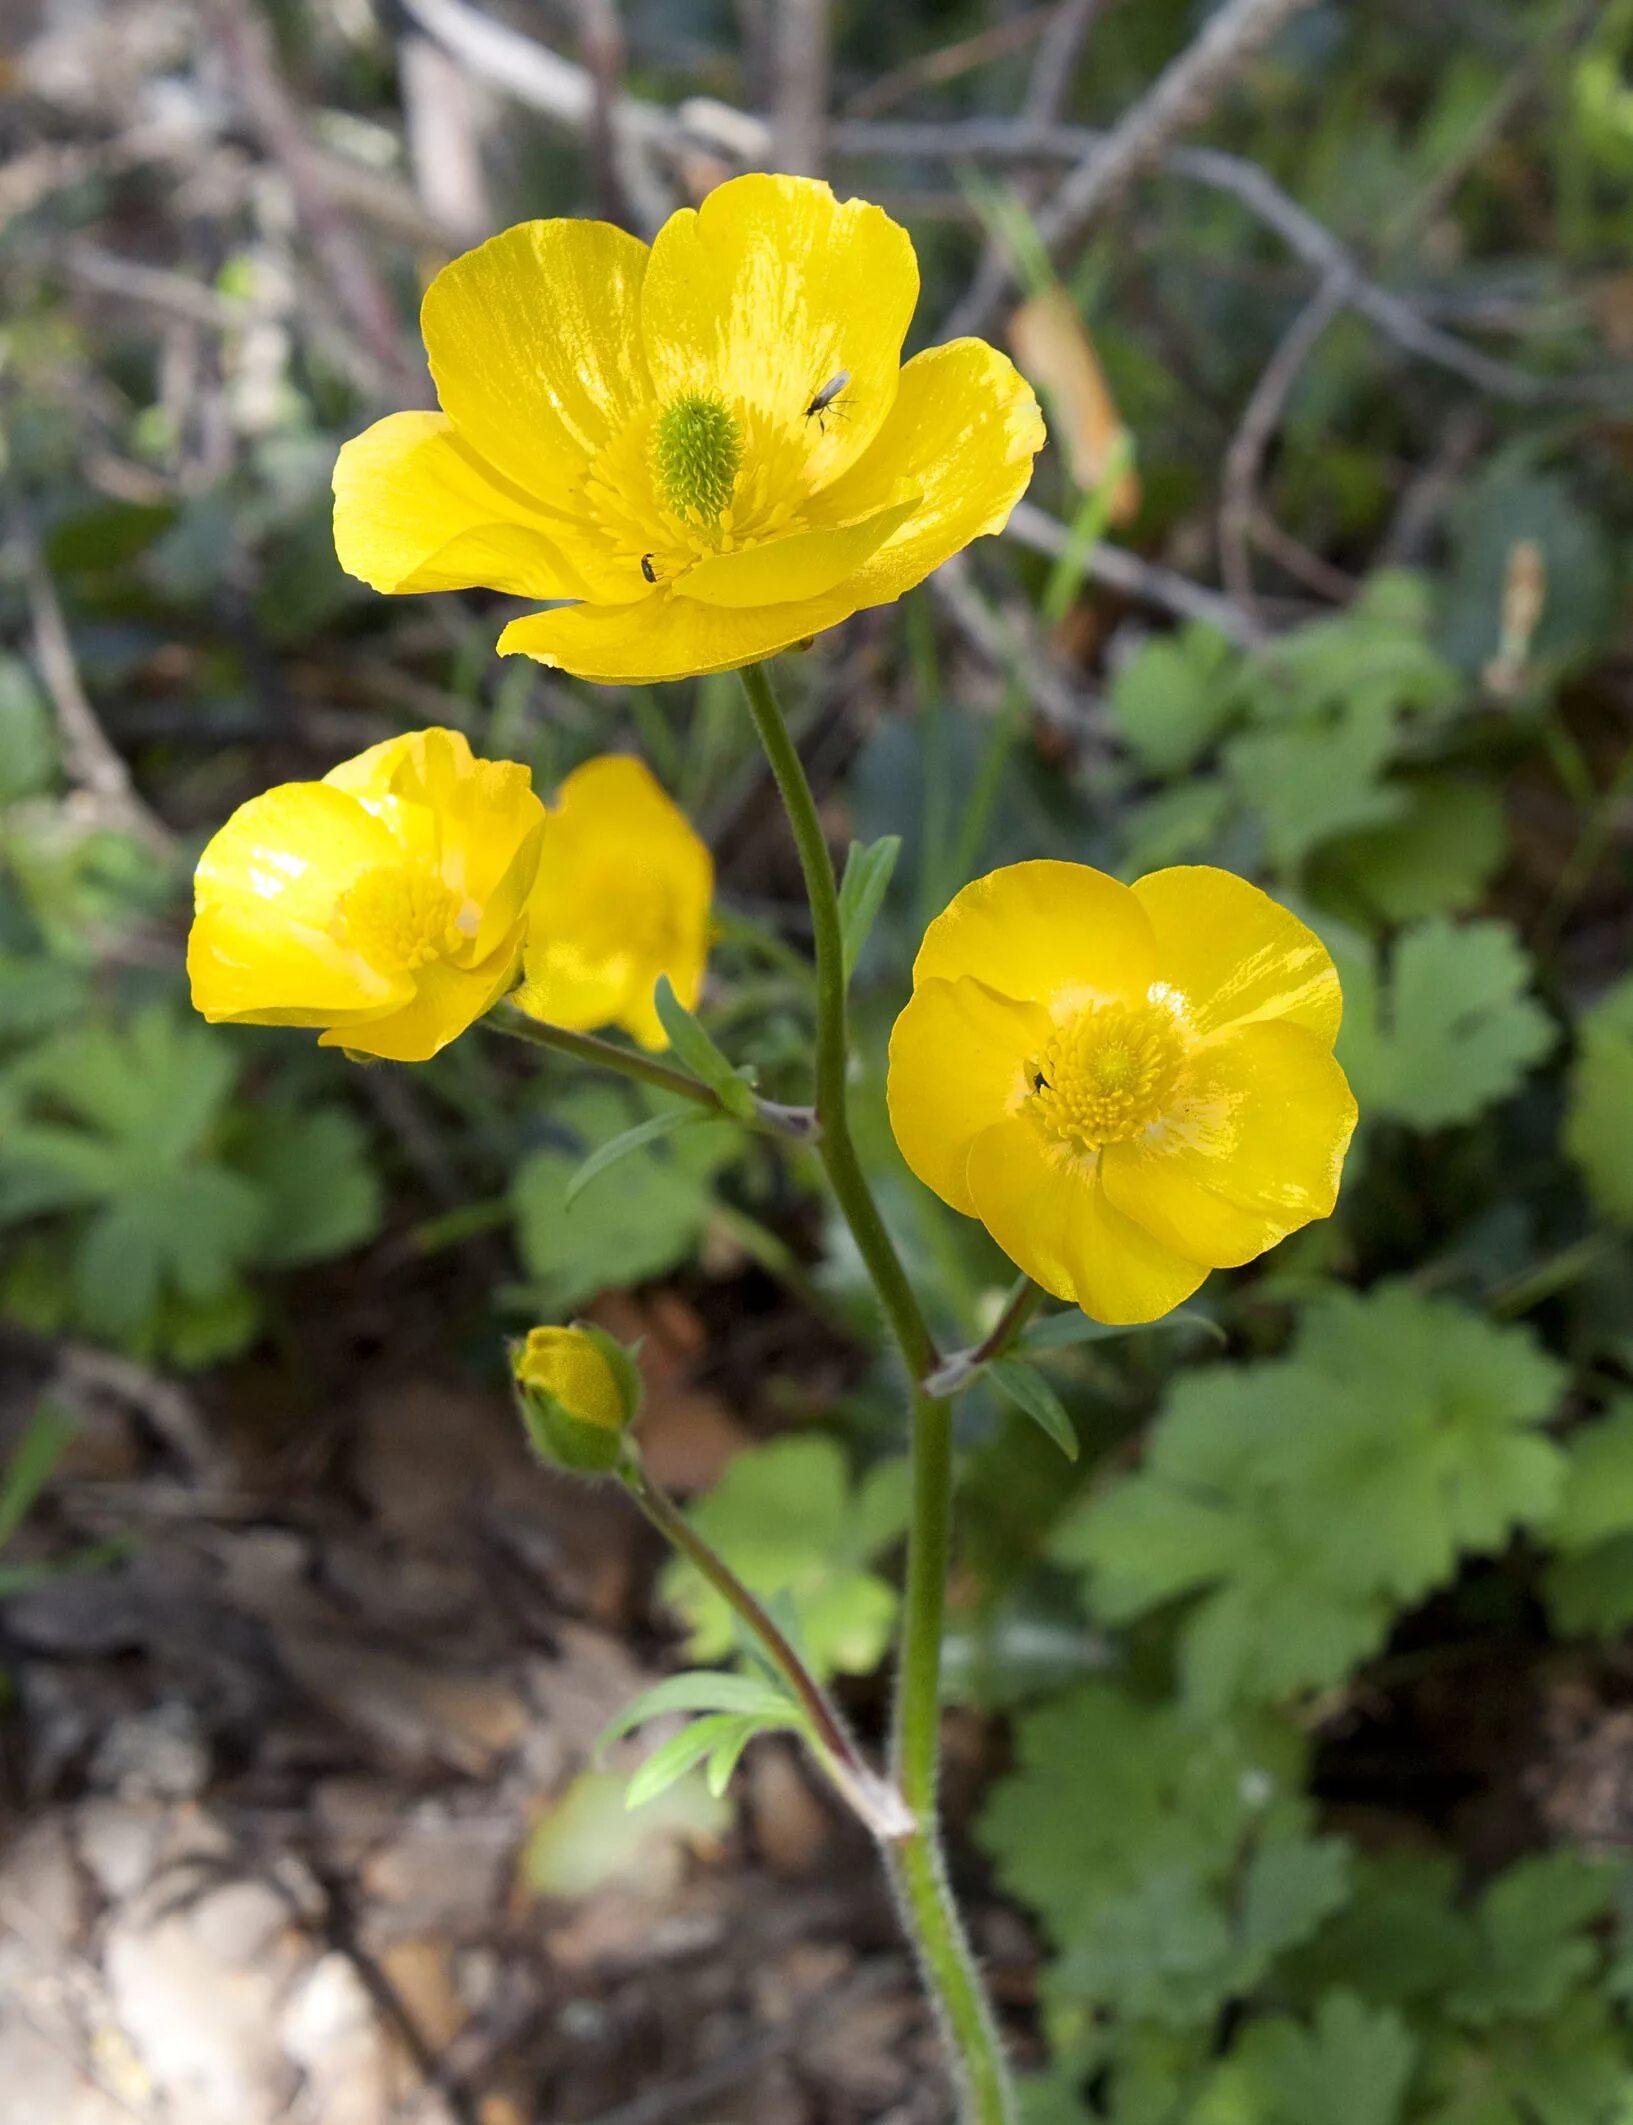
[[1181, 96], [90, 760], [1147, 581], [1260, 419]]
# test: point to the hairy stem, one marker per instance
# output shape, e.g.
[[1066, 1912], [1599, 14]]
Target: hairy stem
[[875, 1800], [916, 1863], [835, 1145]]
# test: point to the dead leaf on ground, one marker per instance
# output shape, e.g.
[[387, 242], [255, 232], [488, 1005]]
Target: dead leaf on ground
[[1054, 352]]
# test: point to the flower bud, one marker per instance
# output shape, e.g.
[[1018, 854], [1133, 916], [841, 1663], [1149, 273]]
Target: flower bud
[[578, 1391]]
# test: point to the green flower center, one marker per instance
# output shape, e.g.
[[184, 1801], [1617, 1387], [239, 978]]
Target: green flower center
[[697, 448], [401, 915], [1107, 1075]]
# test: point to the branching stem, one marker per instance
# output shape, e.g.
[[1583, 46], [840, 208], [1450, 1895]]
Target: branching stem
[[917, 1867], [800, 1123], [874, 1799]]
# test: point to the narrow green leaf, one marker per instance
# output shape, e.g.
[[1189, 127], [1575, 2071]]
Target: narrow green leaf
[[868, 871], [1058, 1331], [698, 1052], [670, 1763], [620, 1146], [43, 1444], [1031, 1392], [723, 1761], [700, 1690]]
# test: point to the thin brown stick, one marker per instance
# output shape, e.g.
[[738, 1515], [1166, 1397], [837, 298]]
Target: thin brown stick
[[533, 75], [1310, 569], [1181, 96], [1148, 581], [1004, 641], [1260, 419], [948, 61], [1396, 316], [91, 761], [1046, 90], [358, 291], [802, 61], [601, 39]]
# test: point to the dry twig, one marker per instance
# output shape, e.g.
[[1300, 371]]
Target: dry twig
[[801, 87], [91, 761], [1181, 96], [996, 638], [948, 61], [1147, 581], [357, 289], [1260, 417]]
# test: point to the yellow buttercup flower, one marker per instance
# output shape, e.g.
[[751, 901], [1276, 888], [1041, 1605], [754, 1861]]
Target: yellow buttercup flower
[[386, 903], [1128, 1085], [708, 444], [622, 896]]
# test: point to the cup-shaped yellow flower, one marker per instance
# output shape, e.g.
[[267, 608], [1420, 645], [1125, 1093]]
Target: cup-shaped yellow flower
[[710, 444], [622, 896], [1128, 1085], [579, 1392], [386, 903]]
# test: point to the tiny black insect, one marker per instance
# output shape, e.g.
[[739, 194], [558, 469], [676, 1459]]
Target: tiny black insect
[[647, 569], [1040, 1083], [823, 403]]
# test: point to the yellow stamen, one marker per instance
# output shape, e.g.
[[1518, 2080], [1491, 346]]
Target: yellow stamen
[[1107, 1075], [401, 915]]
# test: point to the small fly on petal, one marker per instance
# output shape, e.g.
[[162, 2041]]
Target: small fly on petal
[[823, 403], [647, 569]]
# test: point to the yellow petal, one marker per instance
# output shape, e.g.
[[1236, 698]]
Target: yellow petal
[[1059, 934], [1049, 1213], [245, 971], [622, 895], [963, 432], [665, 636], [446, 1000], [1251, 1148], [768, 292], [958, 1058], [806, 564], [416, 509], [564, 985], [535, 344], [1235, 955], [265, 947], [478, 820]]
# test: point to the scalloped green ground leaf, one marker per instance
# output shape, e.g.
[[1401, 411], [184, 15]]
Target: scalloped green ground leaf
[[1192, 1871], [1448, 1031], [789, 1521], [1298, 1503]]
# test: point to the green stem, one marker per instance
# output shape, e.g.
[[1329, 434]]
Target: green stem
[[877, 1803], [915, 1858], [835, 1145], [956, 1372], [917, 1865], [778, 1120]]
